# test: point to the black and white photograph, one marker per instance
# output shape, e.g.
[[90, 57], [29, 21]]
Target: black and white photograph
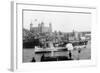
[[49, 36]]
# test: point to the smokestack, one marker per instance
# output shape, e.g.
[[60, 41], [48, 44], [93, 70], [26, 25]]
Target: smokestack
[[31, 25], [50, 27]]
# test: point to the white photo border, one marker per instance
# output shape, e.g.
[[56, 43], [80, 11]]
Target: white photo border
[[17, 64]]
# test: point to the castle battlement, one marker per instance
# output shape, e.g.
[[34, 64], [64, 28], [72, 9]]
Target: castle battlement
[[41, 28]]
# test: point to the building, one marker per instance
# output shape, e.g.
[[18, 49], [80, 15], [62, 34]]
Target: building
[[41, 28]]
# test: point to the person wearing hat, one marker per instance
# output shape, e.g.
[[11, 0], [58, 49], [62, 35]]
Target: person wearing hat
[[69, 46]]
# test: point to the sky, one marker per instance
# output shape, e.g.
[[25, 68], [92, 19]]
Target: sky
[[64, 22]]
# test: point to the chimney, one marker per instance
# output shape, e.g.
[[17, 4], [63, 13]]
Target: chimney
[[31, 25], [50, 27]]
